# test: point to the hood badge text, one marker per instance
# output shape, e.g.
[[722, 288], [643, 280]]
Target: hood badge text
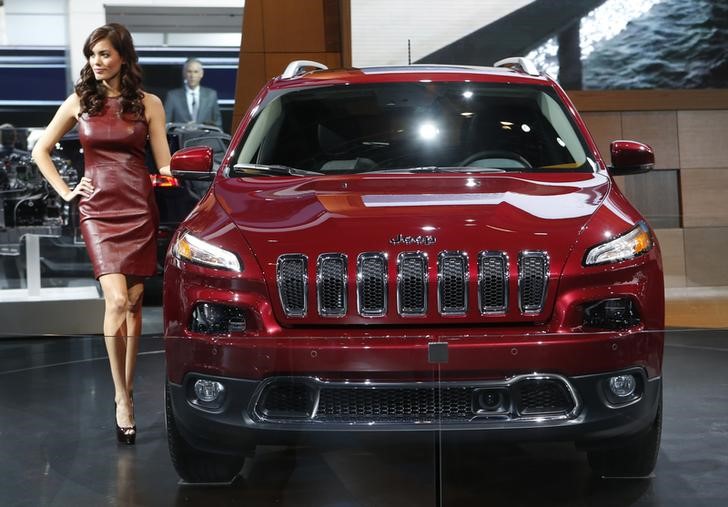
[[401, 239]]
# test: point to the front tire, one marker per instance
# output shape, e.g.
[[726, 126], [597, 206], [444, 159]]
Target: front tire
[[196, 466], [633, 457]]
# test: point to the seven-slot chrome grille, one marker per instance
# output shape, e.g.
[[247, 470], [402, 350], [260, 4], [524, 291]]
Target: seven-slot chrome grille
[[371, 278]]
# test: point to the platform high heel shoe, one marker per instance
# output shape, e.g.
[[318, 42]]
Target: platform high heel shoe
[[125, 435]]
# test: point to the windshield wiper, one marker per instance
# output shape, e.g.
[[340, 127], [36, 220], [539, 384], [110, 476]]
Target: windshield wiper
[[436, 169], [423, 169], [268, 170], [472, 169]]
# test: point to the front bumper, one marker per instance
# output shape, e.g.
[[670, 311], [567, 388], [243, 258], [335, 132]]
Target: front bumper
[[584, 415]]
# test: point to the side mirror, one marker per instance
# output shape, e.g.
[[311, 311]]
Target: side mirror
[[630, 157], [193, 163]]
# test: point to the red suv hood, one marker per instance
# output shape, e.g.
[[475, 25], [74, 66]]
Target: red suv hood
[[392, 213], [524, 210]]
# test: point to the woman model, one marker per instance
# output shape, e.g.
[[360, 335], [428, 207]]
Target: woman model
[[118, 214]]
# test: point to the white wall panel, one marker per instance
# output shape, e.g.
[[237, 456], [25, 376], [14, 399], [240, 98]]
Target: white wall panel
[[35, 23], [380, 28], [61, 22]]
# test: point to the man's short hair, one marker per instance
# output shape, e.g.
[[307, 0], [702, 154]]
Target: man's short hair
[[189, 61]]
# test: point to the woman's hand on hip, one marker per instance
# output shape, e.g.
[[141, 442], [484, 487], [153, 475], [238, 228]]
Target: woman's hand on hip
[[83, 189]]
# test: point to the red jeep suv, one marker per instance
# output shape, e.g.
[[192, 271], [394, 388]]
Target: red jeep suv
[[420, 248]]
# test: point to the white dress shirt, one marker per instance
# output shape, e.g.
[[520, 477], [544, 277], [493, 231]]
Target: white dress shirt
[[193, 101]]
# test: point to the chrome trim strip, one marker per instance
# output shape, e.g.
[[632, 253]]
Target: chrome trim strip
[[532, 309], [505, 279], [414, 311], [317, 384], [465, 279], [322, 259], [362, 258], [304, 280]]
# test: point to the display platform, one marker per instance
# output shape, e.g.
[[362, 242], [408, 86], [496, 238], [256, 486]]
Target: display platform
[[53, 310], [37, 310]]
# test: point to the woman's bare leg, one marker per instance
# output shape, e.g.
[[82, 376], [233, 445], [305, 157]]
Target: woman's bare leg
[[135, 292], [115, 336]]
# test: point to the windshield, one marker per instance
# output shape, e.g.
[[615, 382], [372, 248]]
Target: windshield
[[400, 126]]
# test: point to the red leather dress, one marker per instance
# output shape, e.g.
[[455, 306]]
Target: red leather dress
[[119, 221]]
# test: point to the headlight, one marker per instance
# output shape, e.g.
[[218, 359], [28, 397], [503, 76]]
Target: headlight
[[628, 246], [190, 248]]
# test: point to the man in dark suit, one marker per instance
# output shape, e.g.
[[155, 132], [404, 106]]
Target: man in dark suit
[[192, 102]]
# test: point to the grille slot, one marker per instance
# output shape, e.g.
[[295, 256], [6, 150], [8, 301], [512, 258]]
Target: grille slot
[[413, 405], [533, 271], [371, 284], [331, 283], [543, 396], [412, 283], [492, 282], [287, 399], [292, 278], [452, 283]]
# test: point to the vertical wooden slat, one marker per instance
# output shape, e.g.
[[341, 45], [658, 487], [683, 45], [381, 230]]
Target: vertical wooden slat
[[276, 32]]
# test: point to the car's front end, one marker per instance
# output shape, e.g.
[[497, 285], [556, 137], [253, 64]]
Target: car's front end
[[412, 250]]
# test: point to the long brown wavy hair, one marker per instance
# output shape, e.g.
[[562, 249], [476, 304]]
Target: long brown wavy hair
[[92, 93]]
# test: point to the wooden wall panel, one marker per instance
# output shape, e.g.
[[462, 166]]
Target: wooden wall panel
[[276, 32], [648, 100], [294, 26], [672, 246], [703, 138], [659, 130], [656, 195], [251, 76], [253, 27], [704, 197], [705, 263]]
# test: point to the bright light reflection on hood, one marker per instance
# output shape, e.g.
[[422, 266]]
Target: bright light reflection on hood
[[571, 205]]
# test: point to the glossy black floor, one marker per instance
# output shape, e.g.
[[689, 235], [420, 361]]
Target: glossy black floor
[[57, 446]]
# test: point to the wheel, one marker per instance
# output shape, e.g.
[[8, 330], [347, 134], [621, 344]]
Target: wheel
[[497, 154], [635, 457], [195, 466]]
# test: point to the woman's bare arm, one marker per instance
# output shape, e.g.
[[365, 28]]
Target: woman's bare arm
[[62, 122], [157, 132]]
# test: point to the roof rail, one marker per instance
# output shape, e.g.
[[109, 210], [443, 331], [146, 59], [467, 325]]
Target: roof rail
[[520, 64], [296, 67]]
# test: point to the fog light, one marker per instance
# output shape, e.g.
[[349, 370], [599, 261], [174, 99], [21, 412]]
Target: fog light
[[209, 391], [622, 386]]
